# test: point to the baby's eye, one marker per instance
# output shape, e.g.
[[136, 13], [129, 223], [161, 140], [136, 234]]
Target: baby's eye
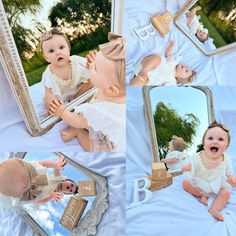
[[186, 70], [61, 47], [210, 138], [51, 50], [72, 185], [221, 139]]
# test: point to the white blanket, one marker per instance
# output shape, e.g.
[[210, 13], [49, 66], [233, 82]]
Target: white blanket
[[218, 69], [172, 211]]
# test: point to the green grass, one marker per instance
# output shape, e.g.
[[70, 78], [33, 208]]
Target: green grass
[[35, 76]]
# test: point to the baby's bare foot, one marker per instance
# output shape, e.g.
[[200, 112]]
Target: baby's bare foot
[[216, 214], [68, 134], [204, 200]]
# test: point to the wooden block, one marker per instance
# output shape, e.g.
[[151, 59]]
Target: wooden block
[[87, 188], [160, 25], [158, 170], [167, 17], [73, 212], [158, 184]]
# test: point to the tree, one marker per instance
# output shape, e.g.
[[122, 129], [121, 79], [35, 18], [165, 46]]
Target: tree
[[168, 123]]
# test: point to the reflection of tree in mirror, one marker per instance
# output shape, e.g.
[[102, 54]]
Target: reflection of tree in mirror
[[168, 123], [220, 14]]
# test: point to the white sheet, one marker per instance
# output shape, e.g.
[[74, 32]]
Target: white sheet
[[172, 211], [213, 70], [112, 166]]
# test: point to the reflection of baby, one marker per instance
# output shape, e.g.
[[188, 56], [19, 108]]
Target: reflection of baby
[[162, 70], [195, 25], [29, 181], [65, 75], [175, 158], [99, 125], [211, 170]]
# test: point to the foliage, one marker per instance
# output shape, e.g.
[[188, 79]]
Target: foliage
[[168, 123]]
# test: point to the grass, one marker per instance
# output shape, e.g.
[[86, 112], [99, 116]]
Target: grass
[[35, 75]]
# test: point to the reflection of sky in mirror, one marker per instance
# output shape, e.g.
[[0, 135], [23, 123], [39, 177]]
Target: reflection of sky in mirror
[[184, 100], [48, 215]]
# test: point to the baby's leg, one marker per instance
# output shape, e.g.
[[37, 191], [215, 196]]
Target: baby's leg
[[83, 138], [219, 203], [194, 191], [69, 133]]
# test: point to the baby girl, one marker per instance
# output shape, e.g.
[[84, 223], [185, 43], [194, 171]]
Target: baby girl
[[99, 125], [211, 170], [176, 157], [23, 181], [66, 76], [162, 70], [195, 25]]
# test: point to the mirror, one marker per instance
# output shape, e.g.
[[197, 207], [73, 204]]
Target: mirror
[[45, 218], [181, 111], [210, 25], [20, 31]]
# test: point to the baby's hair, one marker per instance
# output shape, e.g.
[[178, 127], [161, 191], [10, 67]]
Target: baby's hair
[[115, 50], [48, 35], [178, 143], [76, 190], [216, 124]]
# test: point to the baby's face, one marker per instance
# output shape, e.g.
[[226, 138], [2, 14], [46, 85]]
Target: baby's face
[[183, 74], [68, 187], [102, 72], [56, 50], [201, 35], [215, 142]]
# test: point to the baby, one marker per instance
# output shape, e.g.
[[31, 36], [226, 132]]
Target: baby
[[23, 181], [211, 170], [66, 77], [195, 25], [176, 158], [99, 125], [162, 70]]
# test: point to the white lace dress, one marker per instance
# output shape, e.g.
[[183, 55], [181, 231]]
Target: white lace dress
[[106, 121], [210, 181], [163, 74], [183, 159], [65, 89]]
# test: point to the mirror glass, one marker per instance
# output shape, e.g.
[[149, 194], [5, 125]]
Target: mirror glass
[[85, 23], [46, 217], [209, 24], [180, 111]]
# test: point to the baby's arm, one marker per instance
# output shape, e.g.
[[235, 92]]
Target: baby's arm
[[54, 164], [191, 15], [173, 160], [49, 96], [231, 180], [169, 49], [56, 196], [57, 108]]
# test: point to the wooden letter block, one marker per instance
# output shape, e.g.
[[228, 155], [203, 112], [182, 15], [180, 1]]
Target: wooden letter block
[[158, 184], [73, 212], [160, 25], [158, 170], [87, 188], [167, 17]]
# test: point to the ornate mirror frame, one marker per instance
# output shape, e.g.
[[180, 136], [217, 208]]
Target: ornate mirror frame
[[181, 12], [10, 60], [88, 224], [150, 121]]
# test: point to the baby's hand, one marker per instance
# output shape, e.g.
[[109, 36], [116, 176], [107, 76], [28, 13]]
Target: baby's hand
[[61, 163], [56, 107], [232, 180], [175, 160], [187, 167], [56, 196], [91, 58], [171, 44]]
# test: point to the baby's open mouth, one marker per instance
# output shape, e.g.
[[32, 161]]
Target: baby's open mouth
[[60, 58], [214, 149]]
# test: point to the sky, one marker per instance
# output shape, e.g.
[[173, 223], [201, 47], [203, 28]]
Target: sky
[[184, 100]]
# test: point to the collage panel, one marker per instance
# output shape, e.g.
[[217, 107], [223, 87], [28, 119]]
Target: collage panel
[[180, 162]]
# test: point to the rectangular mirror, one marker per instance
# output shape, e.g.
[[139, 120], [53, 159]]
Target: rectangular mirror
[[210, 25], [86, 26], [45, 218], [184, 111]]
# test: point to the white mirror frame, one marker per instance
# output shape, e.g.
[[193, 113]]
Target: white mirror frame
[[150, 121], [181, 12], [10, 60], [88, 224]]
